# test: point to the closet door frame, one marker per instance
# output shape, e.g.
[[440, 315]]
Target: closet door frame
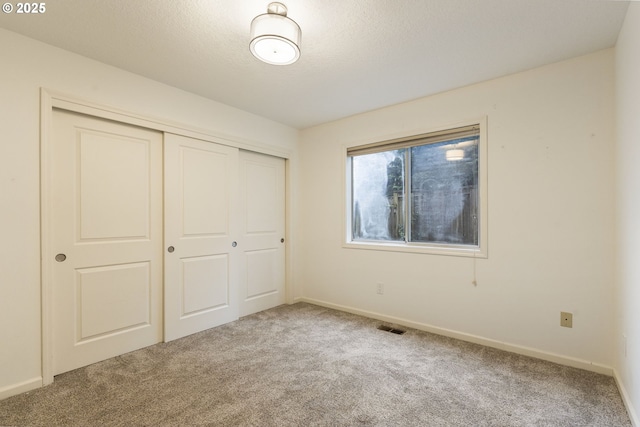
[[50, 100]]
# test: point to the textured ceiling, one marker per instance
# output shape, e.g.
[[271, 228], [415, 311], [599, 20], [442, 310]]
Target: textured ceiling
[[357, 55]]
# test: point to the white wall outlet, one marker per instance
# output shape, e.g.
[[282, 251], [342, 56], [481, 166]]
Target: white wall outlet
[[566, 319], [380, 289]]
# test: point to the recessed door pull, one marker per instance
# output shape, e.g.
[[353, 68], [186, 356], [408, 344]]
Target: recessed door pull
[[61, 257], [234, 244], [170, 249], [282, 240]]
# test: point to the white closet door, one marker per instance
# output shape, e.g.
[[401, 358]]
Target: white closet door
[[262, 206], [106, 237], [201, 257]]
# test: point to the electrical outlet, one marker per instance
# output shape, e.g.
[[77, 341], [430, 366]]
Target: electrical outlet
[[566, 319], [380, 289]]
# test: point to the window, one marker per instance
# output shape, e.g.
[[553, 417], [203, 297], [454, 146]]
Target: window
[[422, 192]]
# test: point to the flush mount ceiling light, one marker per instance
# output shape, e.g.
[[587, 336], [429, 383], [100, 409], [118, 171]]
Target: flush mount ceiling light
[[275, 39], [455, 154]]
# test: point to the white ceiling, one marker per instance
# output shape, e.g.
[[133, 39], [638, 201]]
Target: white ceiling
[[357, 55]]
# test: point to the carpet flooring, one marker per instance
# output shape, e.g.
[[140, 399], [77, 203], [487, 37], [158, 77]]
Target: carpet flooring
[[304, 365]]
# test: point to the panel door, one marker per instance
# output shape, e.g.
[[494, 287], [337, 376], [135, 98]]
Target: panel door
[[201, 261], [106, 188], [262, 207]]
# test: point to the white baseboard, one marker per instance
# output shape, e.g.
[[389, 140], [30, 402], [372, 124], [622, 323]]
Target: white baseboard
[[513, 348], [22, 387], [633, 416]]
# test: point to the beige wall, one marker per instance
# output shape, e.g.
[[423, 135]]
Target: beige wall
[[627, 305], [26, 67], [550, 160]]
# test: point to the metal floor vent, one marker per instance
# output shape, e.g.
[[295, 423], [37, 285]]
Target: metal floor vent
[[392, 330]]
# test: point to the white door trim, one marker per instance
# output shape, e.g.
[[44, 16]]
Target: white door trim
[[50, 100], [67, 102]]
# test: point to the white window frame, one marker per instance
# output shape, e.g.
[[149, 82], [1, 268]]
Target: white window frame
[[479, 251]]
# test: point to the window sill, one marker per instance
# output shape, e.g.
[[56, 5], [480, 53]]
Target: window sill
[[443, 250]]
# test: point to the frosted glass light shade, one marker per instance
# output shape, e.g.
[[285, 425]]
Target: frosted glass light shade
[[275, 39], [455, 154]]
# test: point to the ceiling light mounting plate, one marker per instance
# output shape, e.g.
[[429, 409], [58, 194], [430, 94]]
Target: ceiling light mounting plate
[[277, 8]]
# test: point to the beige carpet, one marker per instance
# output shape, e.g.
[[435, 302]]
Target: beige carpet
[[304, 365]]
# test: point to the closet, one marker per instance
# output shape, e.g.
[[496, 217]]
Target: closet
[[154, 236]]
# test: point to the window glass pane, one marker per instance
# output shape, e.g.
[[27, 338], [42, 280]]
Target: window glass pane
[[444, 192], [378, 201]]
